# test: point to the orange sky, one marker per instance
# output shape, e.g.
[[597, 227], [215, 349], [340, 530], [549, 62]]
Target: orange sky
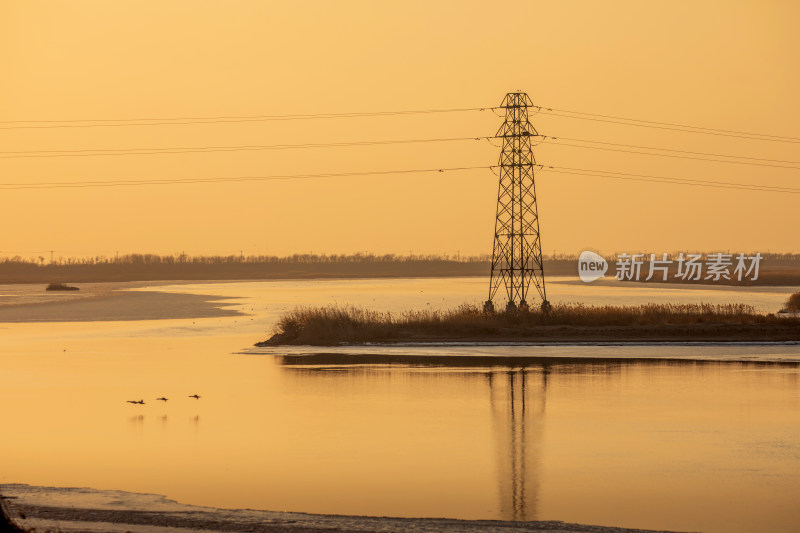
[[719, 64]]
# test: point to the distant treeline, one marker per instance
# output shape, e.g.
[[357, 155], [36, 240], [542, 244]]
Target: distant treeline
[[152, 267], [182, 259], [775, 268]]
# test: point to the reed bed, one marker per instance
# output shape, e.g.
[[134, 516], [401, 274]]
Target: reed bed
[[793, 303], [333, 324]]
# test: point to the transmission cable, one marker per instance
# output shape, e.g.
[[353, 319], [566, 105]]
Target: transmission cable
[[75, 123], [666, 179], [493, 168], [695, 158], [203, 149], [681, 128], [549, 137], [688, 126], [172, 181]]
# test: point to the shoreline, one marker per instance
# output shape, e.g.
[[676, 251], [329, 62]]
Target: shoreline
[[516, 361], [83, 509], [585, 335]]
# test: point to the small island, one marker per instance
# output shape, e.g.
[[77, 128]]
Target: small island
[[792, 309], [61, 287], [564, 323]]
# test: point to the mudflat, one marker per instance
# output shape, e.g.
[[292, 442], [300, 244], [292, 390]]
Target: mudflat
[[111, 303], [80, 509]]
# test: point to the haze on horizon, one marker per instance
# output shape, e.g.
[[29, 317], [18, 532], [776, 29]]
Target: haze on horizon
[[710, 63]]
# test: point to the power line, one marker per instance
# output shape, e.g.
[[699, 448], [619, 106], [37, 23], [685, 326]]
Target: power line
[[726, 184], [671, 124], [235, 148], [177, 181], [203, 149], [667, 179], [165, 121], [48, 124], [547, 168], [670, 150], [676, 182], [674, 155], [658, 125]]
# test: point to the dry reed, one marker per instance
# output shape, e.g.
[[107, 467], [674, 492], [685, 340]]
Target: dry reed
[[331, 325]]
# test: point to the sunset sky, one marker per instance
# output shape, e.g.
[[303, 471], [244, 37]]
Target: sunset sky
[[715, 64]]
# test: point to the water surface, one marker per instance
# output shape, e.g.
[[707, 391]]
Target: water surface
[[636, 441]]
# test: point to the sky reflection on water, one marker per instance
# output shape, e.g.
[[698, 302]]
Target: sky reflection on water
[[683, 445]]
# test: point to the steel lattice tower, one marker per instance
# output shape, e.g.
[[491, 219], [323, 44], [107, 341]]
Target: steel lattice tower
[[517, 251]]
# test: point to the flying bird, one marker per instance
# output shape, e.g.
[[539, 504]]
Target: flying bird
[[195, 396], [140, 402], [162, 399]]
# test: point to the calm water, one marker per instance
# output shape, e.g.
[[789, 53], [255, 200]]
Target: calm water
[[680, 444]]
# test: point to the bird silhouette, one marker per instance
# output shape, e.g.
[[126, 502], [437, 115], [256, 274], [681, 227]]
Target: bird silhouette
[[162, 399], [195, 396], [140, 402]]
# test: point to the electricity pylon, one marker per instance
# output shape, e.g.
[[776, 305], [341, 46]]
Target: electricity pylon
[[517, 251]]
